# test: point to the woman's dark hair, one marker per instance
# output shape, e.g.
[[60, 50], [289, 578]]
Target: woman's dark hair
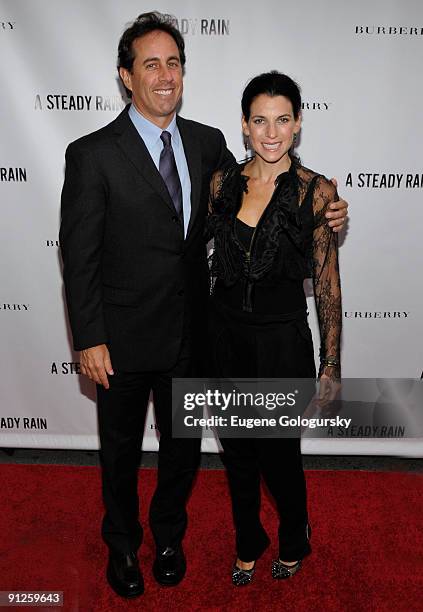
[[272, 83], [144, 24]]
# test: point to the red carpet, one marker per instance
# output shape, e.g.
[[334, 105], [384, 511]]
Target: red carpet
[[367, 544]]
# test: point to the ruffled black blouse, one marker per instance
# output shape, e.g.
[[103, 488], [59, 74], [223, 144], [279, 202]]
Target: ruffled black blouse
[[290, 243]]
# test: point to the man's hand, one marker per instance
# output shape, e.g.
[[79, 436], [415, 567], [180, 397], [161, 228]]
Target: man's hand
[[338, 214], [96, 364]]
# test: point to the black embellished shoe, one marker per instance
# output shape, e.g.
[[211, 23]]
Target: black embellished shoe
[[241, 577], [280, 570]]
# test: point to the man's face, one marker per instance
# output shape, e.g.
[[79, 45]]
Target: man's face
[[156, 77]]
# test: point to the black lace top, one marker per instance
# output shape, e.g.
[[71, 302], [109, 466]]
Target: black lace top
[[290, 243]]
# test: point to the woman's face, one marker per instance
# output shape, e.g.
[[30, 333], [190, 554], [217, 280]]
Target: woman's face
[[271, 127]]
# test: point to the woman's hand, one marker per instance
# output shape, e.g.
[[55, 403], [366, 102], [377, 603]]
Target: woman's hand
[[329, 388]]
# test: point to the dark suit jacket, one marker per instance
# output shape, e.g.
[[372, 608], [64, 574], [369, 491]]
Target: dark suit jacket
[[130, 277]]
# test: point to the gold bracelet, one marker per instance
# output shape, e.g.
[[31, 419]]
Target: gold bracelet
[[330, 362]]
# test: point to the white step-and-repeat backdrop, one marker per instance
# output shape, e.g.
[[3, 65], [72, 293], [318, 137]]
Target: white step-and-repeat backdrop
[[359, 65]]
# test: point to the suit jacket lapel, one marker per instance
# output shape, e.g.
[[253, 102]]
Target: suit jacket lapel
[[134, 148], [193, 157]]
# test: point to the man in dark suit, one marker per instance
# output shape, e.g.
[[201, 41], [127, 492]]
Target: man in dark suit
[[134, 203]]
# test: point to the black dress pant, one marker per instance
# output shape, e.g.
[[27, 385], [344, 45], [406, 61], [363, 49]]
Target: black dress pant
[[280, 464], [245, 345], [121, 417]]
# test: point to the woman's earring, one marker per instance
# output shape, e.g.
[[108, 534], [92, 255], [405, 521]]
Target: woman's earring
[[246, 142], [294, 140]]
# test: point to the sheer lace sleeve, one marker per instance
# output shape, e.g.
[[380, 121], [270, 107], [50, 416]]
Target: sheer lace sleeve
[[215, 189], [326, 280], [214, 195]]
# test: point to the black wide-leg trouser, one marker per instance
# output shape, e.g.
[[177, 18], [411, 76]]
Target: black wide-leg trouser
[[245, 345], [121, 417]]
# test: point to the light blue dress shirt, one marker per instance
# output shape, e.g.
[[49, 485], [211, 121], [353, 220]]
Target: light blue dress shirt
[[150, 133]]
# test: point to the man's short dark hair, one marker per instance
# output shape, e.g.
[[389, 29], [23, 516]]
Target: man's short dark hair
[[144, 24]]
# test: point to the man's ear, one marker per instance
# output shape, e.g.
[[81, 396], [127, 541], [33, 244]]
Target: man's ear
[[126, 77]]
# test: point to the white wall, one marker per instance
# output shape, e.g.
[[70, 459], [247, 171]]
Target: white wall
[[366, 92]]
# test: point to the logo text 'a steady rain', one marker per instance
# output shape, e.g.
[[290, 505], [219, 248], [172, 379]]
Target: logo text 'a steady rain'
[[13, 175], [65, 367], [62, 102], [23, 423], [202, 27], [385, 180]]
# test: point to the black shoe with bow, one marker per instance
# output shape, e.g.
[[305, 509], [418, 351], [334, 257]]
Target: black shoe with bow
[[242, 577], [124, 575], [169, 566]]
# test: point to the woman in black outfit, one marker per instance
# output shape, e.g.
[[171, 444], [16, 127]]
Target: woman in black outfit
[[267, 218]]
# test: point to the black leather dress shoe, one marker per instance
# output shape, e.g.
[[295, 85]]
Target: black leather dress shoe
[[124, 575], [170, 566]]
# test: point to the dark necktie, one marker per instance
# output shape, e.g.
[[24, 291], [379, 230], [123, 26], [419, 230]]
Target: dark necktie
[[169, 172]]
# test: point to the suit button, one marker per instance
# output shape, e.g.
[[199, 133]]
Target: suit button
[[181, 292], [175, 219]]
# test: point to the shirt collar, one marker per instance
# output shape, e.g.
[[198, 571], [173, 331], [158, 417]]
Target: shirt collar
[[150, 132]]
